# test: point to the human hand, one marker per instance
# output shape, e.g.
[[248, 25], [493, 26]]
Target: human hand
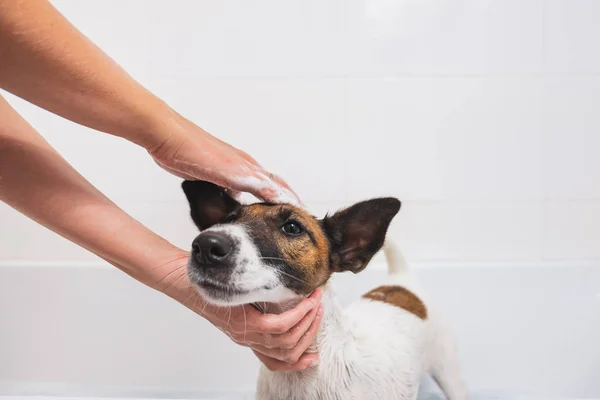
[[69, 76], [192, 153], [279, 341]]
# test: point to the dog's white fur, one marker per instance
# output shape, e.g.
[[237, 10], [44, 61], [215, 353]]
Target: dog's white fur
[[369, 350], [373, 350]]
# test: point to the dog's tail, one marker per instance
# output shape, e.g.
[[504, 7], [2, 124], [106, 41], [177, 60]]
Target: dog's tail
[[396, 262]]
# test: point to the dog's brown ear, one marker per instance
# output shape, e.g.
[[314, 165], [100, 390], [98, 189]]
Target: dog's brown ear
[[209, 203], [358, 232]]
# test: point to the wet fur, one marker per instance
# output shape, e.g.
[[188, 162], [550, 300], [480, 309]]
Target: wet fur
[[377, 348]]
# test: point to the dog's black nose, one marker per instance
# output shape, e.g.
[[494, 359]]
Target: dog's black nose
[[211, 248]]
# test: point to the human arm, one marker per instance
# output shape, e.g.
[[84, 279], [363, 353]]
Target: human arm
[[38, 182], [47, 61]]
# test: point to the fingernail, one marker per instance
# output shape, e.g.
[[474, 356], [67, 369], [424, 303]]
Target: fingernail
[[314, 362], [320, 312]]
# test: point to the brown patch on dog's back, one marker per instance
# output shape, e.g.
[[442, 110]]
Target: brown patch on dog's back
[[399, 297]]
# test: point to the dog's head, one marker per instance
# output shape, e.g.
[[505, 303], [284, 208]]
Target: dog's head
[[277, 252]]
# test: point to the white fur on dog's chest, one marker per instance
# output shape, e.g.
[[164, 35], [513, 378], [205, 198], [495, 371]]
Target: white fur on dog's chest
[[371, 350]]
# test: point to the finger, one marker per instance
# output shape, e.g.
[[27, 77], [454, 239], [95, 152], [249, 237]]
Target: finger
[[306, 361], [290, 339], [249, 158], [277, 324], [239, 152], [271, 191], [291, 356], [251, 182], [286, 340], [280, 181], [311, 334], [285, 185], [265, 185]]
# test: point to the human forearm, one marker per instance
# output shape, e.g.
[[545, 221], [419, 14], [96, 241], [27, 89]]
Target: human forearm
[[47, 61], [38, 182]]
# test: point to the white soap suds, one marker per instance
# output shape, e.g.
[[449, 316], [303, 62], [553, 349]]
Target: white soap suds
[[281, 195]]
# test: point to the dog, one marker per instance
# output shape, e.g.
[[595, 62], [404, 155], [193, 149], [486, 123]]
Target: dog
[[277, 254]]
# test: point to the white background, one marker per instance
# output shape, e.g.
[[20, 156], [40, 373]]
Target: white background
[[481, 116]]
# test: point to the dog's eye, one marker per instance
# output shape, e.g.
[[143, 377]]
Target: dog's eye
[[292, 228], [231, 218]]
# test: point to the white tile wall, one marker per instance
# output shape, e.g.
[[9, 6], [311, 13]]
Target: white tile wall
[[480, 116], [571, 139], [391, 144], [249, 39], [344, 38], [445, 37], [571, 36], [471, 232], [572, 230]]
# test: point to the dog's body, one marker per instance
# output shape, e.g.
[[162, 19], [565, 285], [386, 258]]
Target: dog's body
[[377, 348]]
